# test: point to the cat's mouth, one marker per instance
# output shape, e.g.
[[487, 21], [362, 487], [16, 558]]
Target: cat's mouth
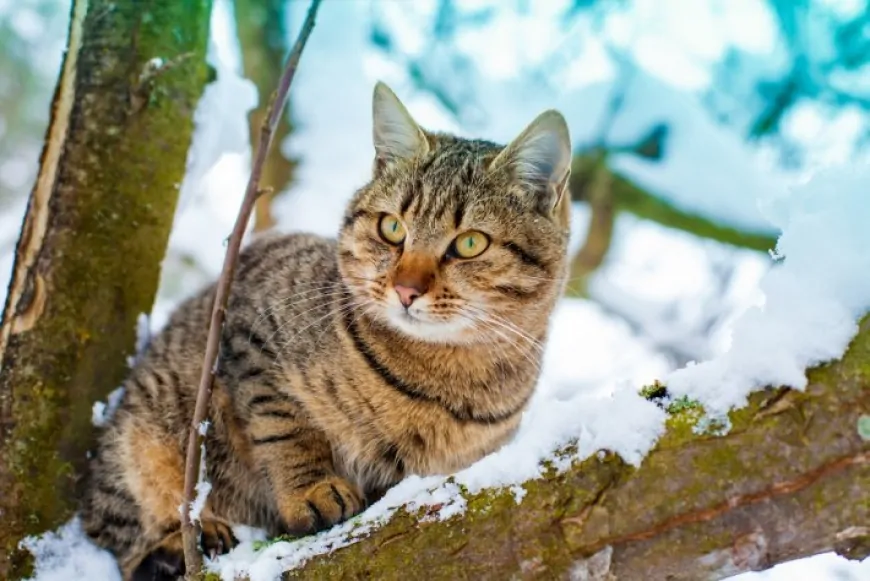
[[415, 324]]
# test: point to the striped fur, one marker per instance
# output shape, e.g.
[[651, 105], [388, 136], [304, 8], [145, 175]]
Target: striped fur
[[322, 400]]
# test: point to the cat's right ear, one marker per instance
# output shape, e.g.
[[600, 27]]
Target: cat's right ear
[[396, 135]]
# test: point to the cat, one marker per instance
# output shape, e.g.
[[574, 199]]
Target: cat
[[409, 345]]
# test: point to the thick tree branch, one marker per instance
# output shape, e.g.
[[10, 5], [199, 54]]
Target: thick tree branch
[[791, 479], [189, 530]]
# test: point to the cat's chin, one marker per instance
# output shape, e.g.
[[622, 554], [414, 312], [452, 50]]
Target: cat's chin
[[449, 332]]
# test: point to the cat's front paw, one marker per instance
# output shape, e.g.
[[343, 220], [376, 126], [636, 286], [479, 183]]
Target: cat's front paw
[[217, 538], [320, 506]]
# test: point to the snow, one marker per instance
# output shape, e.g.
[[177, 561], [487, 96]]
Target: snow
[[813, 298], [10, 225], [216, 175], [826, 566], [102, 412], [203, 488], [67, 554]]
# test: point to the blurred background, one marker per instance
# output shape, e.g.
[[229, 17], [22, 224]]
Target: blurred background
[[687, 116]]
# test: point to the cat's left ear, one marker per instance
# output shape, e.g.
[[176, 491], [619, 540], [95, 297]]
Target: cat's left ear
[[396, 135], [541, 157]]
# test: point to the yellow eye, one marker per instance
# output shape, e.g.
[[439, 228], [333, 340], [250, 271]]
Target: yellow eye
[[391, 229], [470, 244]]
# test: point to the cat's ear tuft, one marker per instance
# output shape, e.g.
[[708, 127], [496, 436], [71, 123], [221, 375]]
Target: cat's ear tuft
[[396, 135], [541, 155]]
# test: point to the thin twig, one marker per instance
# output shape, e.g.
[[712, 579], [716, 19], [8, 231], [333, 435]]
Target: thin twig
[[190, 531]]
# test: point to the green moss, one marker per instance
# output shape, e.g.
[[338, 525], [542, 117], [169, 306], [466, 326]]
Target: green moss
[[655, 391], [111, 212]]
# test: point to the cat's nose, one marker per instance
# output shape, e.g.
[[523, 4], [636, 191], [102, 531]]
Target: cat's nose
[[407, 294]]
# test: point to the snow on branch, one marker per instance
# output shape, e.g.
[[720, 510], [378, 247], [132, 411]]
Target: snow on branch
[[791, 479]]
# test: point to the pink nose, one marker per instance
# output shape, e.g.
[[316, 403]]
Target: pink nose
[[407, 294]]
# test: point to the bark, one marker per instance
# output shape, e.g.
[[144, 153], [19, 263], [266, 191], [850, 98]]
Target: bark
[[791, 479], [264, 42], [88, 259]]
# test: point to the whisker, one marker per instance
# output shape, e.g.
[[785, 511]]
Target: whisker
[[331, 312], [523, 349], [507, 325], [284, 302], [330, 299]]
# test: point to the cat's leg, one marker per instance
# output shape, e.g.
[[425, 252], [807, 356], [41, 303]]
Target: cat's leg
[[110, 515], [297, 458], [133, 503], [164, 561], [127, 505]]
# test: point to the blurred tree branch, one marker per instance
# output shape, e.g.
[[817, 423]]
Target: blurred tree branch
[[262, 31], [629, 197]]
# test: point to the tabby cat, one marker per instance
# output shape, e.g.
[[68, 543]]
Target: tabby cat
[[410, 345]]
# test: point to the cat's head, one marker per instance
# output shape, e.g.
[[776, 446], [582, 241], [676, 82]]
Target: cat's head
[[458, 240]]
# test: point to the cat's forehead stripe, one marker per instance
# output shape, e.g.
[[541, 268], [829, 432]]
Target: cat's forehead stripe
[[443, 179]]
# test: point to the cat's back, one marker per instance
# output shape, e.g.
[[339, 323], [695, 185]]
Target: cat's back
[[283, 284]]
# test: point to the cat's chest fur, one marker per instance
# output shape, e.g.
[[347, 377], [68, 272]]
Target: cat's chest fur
[[379, 434]]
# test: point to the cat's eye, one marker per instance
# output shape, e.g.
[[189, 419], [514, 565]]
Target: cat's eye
[[392, 229], [470, 244]]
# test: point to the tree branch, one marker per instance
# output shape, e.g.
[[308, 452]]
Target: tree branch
[[189, 530], [791, 479]]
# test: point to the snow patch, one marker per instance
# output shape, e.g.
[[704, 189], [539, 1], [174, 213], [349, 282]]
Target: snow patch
[[518, 492], [102, 412], [203, 487], [813, 298], [68, 554]]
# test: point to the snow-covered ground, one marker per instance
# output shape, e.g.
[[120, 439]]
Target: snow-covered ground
[[662, 298]]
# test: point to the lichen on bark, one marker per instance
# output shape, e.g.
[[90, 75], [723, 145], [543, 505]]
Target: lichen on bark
[[88, 259]]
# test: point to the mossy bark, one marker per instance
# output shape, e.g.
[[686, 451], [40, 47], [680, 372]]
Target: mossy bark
[[263, 38], [791, 479], [629, 197], [88, 259]]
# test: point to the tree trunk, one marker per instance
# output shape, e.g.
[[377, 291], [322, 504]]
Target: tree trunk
[[264, 43], [88, 259], [791, 479]]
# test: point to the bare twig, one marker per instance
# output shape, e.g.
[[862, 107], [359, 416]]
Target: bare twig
[[190, 530]]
